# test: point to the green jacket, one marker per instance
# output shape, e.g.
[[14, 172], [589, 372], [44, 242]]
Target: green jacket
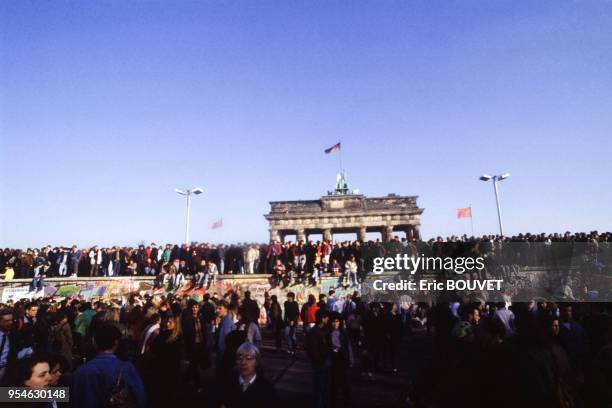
[[82, 321]]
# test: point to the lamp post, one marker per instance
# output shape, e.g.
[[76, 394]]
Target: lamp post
[[188, 193], [487, 177]]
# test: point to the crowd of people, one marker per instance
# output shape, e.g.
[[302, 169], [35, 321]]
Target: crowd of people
[[534, 354], [135, 351], [156, 350], [299, 262]]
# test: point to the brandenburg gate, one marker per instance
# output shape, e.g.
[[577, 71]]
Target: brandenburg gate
[[345, 211]]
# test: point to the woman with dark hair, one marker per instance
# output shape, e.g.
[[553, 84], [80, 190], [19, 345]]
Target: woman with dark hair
[[32, 372]]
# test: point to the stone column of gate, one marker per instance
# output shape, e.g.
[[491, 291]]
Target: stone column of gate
[[274, 235], [388, 233], [362, 234], [300, 234], [327, 234], [416, 231], [409, 232]]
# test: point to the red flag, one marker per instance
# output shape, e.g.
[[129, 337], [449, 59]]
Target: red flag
[[464, 212], [217, 224], [333, 149]]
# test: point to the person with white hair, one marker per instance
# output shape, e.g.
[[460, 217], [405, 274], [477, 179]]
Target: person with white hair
[[248, 387]]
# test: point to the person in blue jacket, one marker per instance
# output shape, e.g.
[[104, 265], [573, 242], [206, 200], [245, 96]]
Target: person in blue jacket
[[94, 382]]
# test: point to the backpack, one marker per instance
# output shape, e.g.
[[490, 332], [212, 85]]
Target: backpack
[[121, 395]]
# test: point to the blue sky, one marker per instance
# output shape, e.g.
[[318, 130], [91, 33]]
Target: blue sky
[[106, 107]]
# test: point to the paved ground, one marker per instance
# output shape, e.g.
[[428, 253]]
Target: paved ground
[[292, 377]]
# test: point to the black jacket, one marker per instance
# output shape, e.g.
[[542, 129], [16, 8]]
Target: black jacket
[[260, 394], [189, 330], [291, 312], [250, 310], [317, 345]]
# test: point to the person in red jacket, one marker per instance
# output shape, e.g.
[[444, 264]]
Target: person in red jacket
[[309, 312]]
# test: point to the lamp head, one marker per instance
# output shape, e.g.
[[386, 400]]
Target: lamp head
[[486, 177], [197, 190], [504, 176], [181, 192]]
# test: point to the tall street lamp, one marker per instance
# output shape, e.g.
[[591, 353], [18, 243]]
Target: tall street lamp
[[188, 193], [486, 177]]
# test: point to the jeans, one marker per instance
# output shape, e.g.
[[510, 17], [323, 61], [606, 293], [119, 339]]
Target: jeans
[[37, 283], [75, 268], [354, 275], [117, 268], [94, 270], [299, 261], [291, 338], [63, 268], [250, 265], [221, 266], [210, 279]]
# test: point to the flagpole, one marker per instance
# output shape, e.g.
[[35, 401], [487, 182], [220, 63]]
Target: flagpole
[[471, 220], [340, 155]]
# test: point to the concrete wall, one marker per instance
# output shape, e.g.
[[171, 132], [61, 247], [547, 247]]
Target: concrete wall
[[120, 287]]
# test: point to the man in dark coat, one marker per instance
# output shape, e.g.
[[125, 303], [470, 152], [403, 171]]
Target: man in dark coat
[[194, 337], [319, 351], [250, 309], [291, 321]]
